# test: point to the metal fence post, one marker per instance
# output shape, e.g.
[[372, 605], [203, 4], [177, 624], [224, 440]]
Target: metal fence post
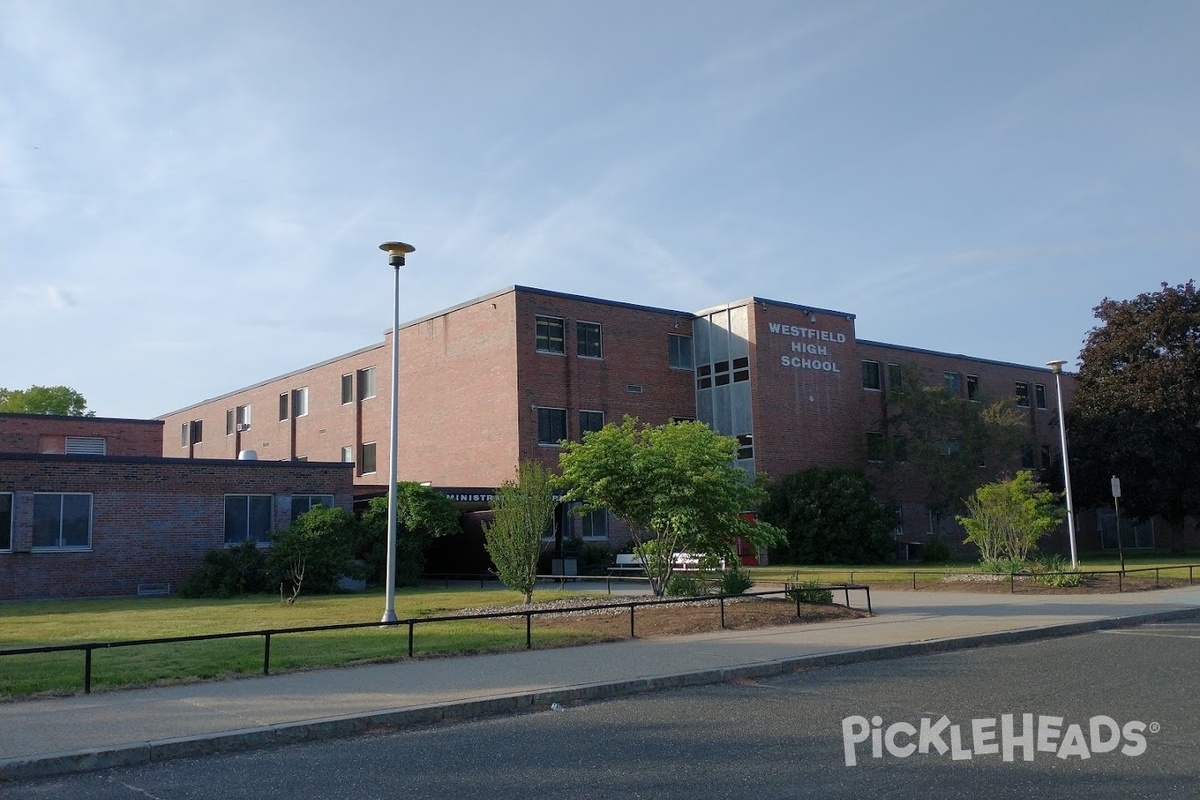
[[632, 635], [267, 653], [411, 625], [87, 670], [528, 631], [722, 611]]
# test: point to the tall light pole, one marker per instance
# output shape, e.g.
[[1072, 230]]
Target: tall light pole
[[396, 252], [1056, 368]]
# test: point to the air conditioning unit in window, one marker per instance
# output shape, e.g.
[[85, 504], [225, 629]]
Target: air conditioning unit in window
[[243, 426]]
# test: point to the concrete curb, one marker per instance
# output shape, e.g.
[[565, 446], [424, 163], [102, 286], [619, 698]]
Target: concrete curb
[[160, 750]]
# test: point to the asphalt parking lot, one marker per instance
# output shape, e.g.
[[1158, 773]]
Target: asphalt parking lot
[[1113, 714]]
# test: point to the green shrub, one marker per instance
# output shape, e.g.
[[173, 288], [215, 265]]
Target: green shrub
[[228, 572], [1003, 566], [683, 585], [734, 580], [594, 559], [317, 545], [808, 592], [936, 551], [1055, 570]]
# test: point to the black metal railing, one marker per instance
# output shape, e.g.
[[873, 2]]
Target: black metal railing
[[886, 575], [87, 648]]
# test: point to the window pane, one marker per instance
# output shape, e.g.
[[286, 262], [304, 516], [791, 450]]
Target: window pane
[[679, 351], [77, 520], [229, 422], [870, 375], [366, 383], [260, 518], [236, 515], [590, 421], [300, 505], [368, 458], [552, 425], [549, 335], [1022, 391], [347, 389], [972, 387], [1039, 393], [283, 406], [6, 521], [953, 383], [587, 336], [47, 519], [895, 376]]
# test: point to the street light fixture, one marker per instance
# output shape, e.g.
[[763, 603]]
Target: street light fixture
[[1056, 368], [396, 252]]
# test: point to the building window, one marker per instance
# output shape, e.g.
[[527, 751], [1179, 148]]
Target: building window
[[973, 387], [587, 340], [1022, 390], [900, 449], [348, 388], [552, 425], [243, 418], [679, 351], [248, 518], [303, 503], [1047, 463], [876, 448], [230, 422], [895, 377], [595, 524], [721, 373], [953, 448], [745, 446], [741, 369], [366, 383], [704, 377], [1039, 395], [191, 433], [549, 334], [1026, 457], [590, 421], [6, 520], [62, 521], [300, 402], [366, 459], [953, 383], [348, 454], [283, 406], [870, 375]]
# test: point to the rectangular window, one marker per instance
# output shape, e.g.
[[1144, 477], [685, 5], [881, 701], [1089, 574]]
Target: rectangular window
[[303, 503], [366, 383], [1039, 395], [348, 388], [185, 433], [721, 373], [590, 421], [745, 446], [876, 448], [587, 340], [230, 422], [704, 376], [192, 433], [366, 459], [679, 351], [552, 425], [6, 520], [900, 449], [248, 518], [549, 335], [348, 454], [972, 387], [1022, 391], [1047, 462], [243, 417], [1026, 457], [741, 369], [895, 377], [300, 402], [595, 525], [62, 521], [283, 406], [870, 375], [953, 383]]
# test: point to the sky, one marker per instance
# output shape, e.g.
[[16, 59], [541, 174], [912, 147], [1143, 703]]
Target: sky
[[192, 193]]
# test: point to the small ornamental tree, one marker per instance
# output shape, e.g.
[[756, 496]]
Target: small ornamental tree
[[676, 485], [521, 512], [313, 552], [1006, 519], [422, 514]]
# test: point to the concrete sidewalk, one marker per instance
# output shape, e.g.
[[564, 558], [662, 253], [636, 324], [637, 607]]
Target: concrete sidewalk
[[56, 735]]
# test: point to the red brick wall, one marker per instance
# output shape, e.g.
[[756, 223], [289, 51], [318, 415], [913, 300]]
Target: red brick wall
[[38, 433], [152, 519]]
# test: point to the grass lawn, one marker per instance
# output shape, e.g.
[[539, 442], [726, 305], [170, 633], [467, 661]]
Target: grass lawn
[[75, 621]]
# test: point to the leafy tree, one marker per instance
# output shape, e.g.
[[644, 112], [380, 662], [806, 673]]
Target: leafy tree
[[948, 437], [59, 400], [1136, 410], [522, 512], [830, 516], [422, 514], [1006, 519], [314, 550], [676, 483]]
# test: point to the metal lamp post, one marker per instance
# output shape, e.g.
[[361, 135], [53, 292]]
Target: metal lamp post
[[396, 252], [1056, 368]]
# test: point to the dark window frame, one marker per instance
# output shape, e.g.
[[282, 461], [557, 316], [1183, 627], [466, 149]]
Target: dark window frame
[[545, 340], [872, 379], [551, 426], [589, 339]]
